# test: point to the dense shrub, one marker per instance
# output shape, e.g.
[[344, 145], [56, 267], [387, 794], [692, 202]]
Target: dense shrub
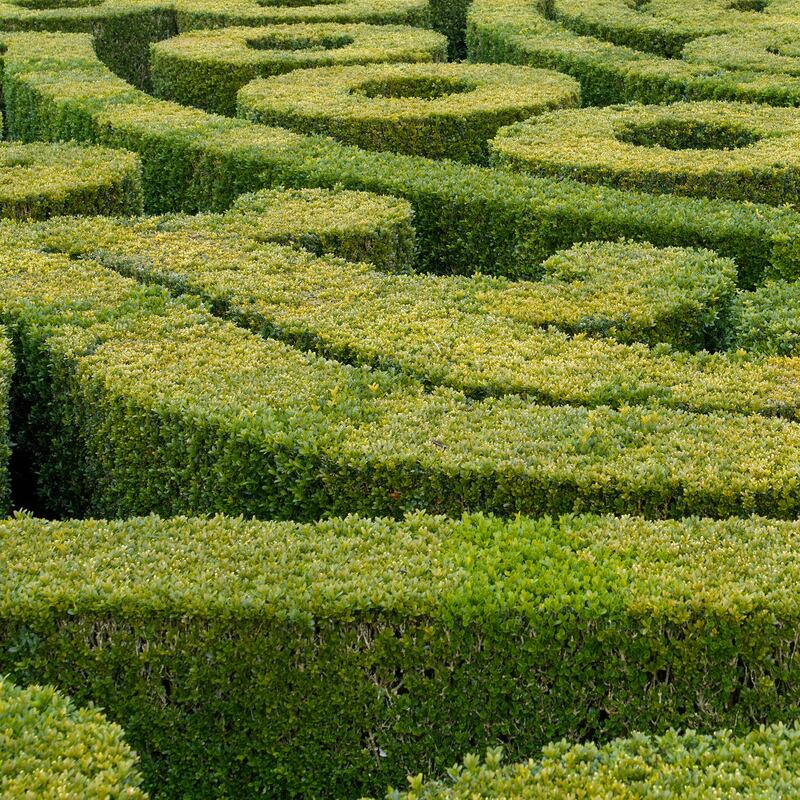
[[49, 748], [674, 766], [6, 373], [328, 660], [467, 218], [432, 110], [207, 68], [767, 320], [727, 150]]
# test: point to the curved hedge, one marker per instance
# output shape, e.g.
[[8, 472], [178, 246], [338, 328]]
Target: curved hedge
[[770, 50], [431, 110], [329, 659], [519, 32], [44, 180], [49, 748], [207, 68], [467, 218], [731, 151], [689, 766]]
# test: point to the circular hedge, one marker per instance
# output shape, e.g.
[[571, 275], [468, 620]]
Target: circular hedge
[[207, 68], [674, 766], [432, 110], [44, 180], [733, 151], [51, 749]]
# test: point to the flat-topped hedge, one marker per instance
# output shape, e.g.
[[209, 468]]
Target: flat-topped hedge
[[331, 659], [49, 748], [467, 218], [734, 151], [207, 68], [674, 766]]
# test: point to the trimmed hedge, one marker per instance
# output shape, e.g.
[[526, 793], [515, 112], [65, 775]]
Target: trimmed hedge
[[689, 766], [109, 374], [480, 336], [207, 68], [771, 50], [6, 375], [43, 180], [49, 749], [357, 226], [726, 150], [520, 32], [467, 218], [326, 660], [431, 110], [768, 320]]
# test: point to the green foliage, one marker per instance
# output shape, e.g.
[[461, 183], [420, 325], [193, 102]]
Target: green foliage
[[616, 62], [767, 320], [50, 748], [431, 110], [207, 68], [727, 150], [673, 766], [467, 218], [6, 374], [329, 659]]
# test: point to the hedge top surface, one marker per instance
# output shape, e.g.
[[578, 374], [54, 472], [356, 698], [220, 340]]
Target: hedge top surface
[[193, 14], [51, 749], [729, 150], [81, 14], [281, 48], [770, 50], [436, 110], [759, 766]]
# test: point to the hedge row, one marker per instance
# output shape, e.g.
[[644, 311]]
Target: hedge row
[[519, 32], [6, 375], [329, 659], [767, 320], [467, 218], [689, 766], [727, 150], [481, 336], [51, 749], [110, 374], [207, 68], [431, 110]]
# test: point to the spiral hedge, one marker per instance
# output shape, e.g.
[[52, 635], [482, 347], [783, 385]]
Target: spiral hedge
[[50, 748], [207, 68], [357, 460]]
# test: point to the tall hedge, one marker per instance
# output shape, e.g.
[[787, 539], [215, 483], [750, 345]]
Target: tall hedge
[[331, 659]]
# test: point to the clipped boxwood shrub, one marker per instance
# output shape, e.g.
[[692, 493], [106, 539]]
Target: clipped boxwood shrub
[[481, 336], [207, 68], [330, 659], [673, 766], [193, 14], [50, 748], [432, 110], [727, 150], [768, 50], [6, 374], [357, 226], [42, 180], [467, 218], [767, 320], [519, 32]]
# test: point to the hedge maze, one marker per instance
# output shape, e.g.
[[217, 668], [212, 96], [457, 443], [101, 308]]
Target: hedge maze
[[387, 386]]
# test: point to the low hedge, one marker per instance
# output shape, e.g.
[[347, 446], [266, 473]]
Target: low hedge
[[769, 50], [480, 336], [519, 32], [207, 68], [467, 218], [42, 180], [726, 150], [6, 375], [50, 748], [767, 320], [357, 226], [674, 766], [431, 110], [110, 374], [329, 659]]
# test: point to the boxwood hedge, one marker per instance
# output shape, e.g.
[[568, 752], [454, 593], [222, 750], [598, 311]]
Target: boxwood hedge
[[50, 748], [432, 110], [207, 68], [6, 375], [329, 659], [689, 766], [467, 218], [728, 150]]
